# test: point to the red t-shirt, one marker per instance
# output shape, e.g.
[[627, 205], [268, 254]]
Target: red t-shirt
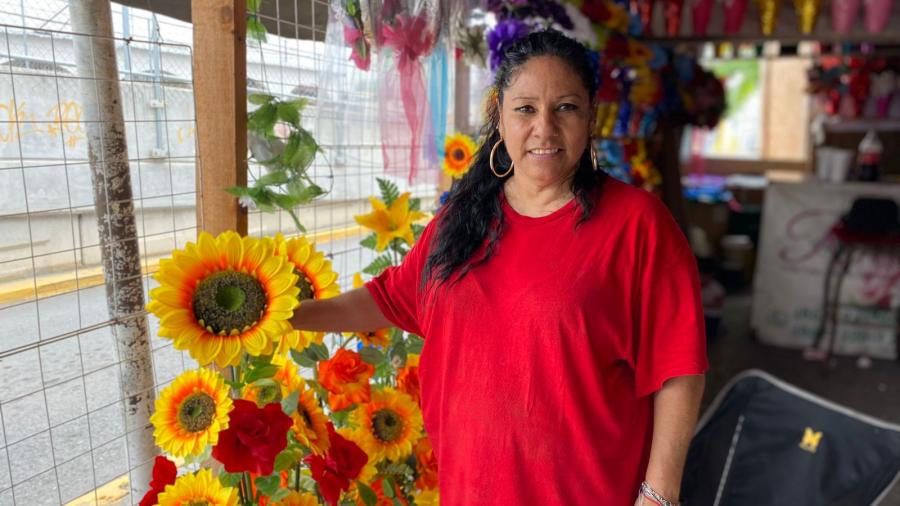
[[538, 364]]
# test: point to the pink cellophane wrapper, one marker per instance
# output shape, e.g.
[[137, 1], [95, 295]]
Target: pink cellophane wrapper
[[405, 115], [843, 14]]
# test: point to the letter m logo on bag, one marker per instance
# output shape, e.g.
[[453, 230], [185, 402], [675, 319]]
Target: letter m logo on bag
[[811, 439]]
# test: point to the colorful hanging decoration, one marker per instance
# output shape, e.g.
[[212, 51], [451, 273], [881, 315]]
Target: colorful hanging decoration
[[354, 34], [734, 15], [878, 13], [843, 14], [853, 87], [673, 13], [701, 11], [409, 40], [807, 14], [768, 15]]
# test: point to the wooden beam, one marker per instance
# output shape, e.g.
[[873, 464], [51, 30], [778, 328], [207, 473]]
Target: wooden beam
[[220, 94]]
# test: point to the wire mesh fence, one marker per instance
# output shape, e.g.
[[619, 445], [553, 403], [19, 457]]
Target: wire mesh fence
[[64, 436]]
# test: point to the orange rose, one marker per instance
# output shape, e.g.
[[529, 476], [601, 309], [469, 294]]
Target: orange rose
[[346, 377], [426, 465], [408, 381]]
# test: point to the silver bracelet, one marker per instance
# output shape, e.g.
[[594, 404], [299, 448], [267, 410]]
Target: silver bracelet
[[653, 494]]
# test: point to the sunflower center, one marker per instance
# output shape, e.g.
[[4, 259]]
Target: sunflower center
[[305, 414], [458, 155], [196, 412], [387, 425], [307, 290], [229, 302], [268, 394], [197, 502]]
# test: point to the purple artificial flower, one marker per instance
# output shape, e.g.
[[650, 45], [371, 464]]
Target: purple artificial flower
[[502, 36]]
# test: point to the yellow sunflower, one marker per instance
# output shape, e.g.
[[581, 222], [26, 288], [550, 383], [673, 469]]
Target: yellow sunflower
[[191, 412], [378, 337], [298, 499], [390, 223], [316, 281], [196, 489], [388, 425], [427, 498], [458, 152], [310, 423], [222, 296]]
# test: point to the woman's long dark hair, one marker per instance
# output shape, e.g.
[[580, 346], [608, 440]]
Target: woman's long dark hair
[[472, 211]]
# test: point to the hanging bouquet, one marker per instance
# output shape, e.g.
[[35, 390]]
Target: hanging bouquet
[[286, 416]]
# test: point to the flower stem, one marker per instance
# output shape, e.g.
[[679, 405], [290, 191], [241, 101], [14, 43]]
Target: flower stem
[[297, 478]]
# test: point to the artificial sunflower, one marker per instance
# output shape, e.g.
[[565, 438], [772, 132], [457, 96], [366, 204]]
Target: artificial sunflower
[[388, 425], [223, 296], [389, 223], [430, 497], [310, 424], [191, 412], [316, 281], [298, 499], [378, 337], [459, 150], [200, 488]]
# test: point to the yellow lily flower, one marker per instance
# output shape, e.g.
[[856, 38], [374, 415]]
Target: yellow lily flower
[[390, 223]]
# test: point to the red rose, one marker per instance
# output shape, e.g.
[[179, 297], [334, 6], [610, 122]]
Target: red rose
[[333, 472], [253, 438], [164, 473]]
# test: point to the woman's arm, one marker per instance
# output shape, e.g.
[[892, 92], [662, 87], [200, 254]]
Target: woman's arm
[[675, 409], [353, 311]]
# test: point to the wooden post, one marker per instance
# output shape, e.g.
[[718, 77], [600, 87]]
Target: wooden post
[[220, 91]]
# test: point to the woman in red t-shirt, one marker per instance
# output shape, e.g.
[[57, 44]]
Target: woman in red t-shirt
[[564, 347]]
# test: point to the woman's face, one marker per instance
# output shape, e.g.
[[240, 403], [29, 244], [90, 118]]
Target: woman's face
[[545, 120]]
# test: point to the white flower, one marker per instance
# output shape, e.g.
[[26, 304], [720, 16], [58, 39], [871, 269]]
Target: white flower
[[248, 202]]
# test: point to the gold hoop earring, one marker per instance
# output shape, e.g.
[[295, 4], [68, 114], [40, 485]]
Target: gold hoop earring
[[594, 163], [491, 161]]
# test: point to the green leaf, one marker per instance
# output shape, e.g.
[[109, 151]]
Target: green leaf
[[284, 460], [304, 153], [389, 191], [289, 114], [366, 493], [268, 485], [387, 486], [302, 359], [299, 103], [415, 204], [280, 494], [369, 242], [415, 345], [259, 98], [230, 479], [263, 383], [289, 403], [255, 29], [379, 265], [274, 178], [263, 119], [253, 5], [257, 373], [320, 351], [399, 350], [239, 191], [371, 355]]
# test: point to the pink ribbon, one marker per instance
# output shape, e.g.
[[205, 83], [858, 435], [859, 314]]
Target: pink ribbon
[[355, 38], [410, 39]]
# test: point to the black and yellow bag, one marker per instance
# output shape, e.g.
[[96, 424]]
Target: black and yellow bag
[[764, 442]]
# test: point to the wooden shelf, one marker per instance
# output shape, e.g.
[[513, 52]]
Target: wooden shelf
[[863, 125]]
